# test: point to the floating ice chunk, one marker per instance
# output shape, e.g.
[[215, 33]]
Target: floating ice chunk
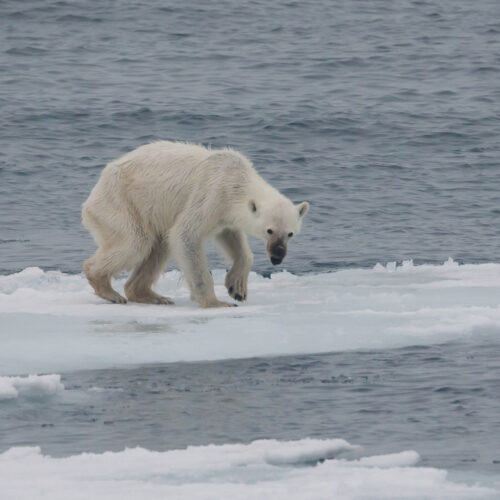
[[229, 471], [391, 267], [98, 390], [450, 263], [403, 459], [407, 266], [32, 385], [305, 451], [7, 389], [51, 321]]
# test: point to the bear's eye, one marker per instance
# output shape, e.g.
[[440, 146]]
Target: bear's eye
[[290, 235], [269, 231]]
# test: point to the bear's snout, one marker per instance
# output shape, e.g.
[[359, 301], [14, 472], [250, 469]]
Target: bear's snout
[[277, 254]]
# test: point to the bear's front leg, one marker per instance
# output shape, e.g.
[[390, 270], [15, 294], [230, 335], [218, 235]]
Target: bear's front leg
[[236, 246], [237, 283], [191, 259]]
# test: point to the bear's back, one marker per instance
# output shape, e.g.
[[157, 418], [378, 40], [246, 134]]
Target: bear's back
[[164, 154], [164, 160]]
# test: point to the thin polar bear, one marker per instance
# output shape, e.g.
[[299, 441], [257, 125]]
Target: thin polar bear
[[163, 200]]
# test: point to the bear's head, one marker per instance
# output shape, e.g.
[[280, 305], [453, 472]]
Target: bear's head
[[276, 223]]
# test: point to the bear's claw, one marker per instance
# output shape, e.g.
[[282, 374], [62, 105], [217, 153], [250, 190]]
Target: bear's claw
[[236, 287]]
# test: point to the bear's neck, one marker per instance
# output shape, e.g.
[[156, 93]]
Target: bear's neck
[[260, 191]]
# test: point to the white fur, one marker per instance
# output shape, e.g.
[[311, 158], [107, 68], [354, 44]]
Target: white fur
[[162, 200]]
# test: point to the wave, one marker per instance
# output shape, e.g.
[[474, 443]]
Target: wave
[[261, 469], [57, 316]]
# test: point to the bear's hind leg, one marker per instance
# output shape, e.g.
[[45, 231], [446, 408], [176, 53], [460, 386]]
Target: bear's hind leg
[[236, 246], [138, 287], [100, 268]]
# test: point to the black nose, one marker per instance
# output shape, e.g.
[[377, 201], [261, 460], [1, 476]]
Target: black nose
[[275, 261]]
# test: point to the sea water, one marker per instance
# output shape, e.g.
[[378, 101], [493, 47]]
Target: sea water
[[364, 379]]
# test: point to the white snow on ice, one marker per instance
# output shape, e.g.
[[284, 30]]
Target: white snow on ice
[[31, 386], [262, 469], [52, 321]]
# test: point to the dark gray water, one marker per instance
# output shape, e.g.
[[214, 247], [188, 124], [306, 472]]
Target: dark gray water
[[442, 401], [384, 115]]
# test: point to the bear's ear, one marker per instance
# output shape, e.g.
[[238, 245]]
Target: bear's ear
[[303, 208], [252, 206]]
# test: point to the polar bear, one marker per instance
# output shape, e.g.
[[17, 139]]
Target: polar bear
[[163, 200]]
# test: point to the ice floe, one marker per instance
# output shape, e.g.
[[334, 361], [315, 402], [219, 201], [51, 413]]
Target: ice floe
[[52, 321], [262, 469], [32, 386]]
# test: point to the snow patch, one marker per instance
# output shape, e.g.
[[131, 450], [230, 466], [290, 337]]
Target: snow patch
[[233, 471]]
